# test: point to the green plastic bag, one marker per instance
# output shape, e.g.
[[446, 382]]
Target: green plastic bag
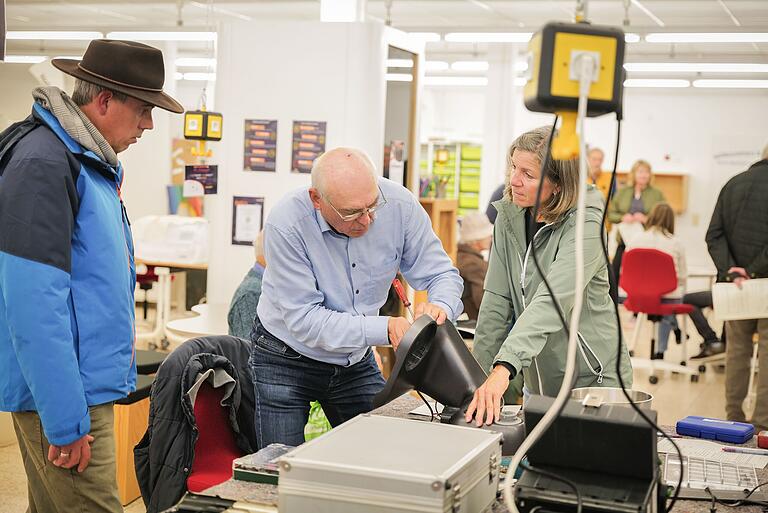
[[317, 423]]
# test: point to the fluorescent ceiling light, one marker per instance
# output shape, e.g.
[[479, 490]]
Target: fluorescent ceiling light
[[435, 65], [208, 77], [398, 77], [519, 81], [488, 37], [736, 84], [24, 59], [707, 37], [696, 67], [456, 81], [164, 36], [59, 35], [631, 38], [195, 61], [213, 8], [71, 57], [469, 66], [521, 65], [424, 37], [656, 82], [399, 63]]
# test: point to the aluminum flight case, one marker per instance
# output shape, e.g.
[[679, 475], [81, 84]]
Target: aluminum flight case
[[376, 464]]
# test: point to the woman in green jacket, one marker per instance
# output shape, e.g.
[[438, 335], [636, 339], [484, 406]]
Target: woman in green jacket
[[518, 329], [632, 204]]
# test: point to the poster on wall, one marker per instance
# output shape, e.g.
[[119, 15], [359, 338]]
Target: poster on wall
[[206, 175], [247, 219], [308, 144], [260, 145]]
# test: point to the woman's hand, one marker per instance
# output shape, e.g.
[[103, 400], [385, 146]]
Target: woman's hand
[[640, 217], [628, 218], [487, 400]]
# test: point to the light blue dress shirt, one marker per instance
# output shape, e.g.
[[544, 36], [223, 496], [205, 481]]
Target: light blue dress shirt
[[322, 291]]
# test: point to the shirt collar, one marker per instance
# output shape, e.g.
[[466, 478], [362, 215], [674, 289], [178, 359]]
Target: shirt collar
[[324, 226]]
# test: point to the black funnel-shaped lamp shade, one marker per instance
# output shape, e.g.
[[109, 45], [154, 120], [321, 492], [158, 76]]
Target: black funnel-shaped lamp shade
[[434, 360]]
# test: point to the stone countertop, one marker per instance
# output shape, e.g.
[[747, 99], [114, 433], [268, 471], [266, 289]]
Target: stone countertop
[[267, 494]]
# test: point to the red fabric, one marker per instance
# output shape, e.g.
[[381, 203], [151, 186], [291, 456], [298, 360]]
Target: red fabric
[[215, 447], [147, 277], [646, 275]]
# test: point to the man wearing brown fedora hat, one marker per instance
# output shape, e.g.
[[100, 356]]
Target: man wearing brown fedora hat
[[67, 272]]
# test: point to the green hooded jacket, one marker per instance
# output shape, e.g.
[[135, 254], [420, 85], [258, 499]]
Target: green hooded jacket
[[518, 323]]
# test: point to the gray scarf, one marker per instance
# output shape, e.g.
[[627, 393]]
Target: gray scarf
[[75, 122]]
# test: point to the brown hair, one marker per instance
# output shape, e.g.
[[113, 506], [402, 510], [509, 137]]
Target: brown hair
[[563, 174], [661, 217], [636, 166]]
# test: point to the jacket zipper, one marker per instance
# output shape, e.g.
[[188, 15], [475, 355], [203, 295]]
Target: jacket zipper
[[124, 216]]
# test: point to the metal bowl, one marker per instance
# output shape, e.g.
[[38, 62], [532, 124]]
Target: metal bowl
[[609, 395]]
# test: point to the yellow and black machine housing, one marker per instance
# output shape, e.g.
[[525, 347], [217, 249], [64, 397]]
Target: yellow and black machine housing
[[553, 81]]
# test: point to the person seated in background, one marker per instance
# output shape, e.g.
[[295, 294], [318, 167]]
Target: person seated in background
[[631, 205], [660, 234], [595, 158], [475, 237], [242, 309]]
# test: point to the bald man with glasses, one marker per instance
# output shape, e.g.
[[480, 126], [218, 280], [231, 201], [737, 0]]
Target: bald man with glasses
[[333, 250]]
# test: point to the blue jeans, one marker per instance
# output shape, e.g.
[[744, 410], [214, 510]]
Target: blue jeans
[[285, 382]]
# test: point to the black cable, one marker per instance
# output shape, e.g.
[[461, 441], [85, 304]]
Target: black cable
[[570, 484], [432, 414], [739, 502], [611, 281]]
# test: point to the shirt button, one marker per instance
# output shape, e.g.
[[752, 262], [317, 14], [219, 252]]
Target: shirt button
[[357, 291], [353, 265]]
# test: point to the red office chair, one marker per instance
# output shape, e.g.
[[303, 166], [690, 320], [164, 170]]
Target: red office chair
[[646, 275], [215, 447]]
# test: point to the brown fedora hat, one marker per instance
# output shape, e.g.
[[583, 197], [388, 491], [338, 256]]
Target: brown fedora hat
[[127, 67]]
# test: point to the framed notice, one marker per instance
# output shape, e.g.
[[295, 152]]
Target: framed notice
[[247, 219], [260, 145], [308, 144], [207, 176]]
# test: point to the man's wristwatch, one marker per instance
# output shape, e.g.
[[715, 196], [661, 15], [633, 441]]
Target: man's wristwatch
[[509, 367]]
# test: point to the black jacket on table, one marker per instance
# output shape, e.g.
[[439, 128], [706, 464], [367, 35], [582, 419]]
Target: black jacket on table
[[738, 232], [163, 457]]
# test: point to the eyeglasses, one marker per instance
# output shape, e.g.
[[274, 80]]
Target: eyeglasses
[[380, 202]]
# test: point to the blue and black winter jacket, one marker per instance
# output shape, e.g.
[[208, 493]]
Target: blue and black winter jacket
[[66, 279]]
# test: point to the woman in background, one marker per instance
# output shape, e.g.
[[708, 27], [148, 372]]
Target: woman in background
[[632, 203], [660, 234]]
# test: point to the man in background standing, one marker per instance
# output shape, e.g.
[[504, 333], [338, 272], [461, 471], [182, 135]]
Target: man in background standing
[[737, 239]]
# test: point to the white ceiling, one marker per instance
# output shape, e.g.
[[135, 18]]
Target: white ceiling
[[441, 16]]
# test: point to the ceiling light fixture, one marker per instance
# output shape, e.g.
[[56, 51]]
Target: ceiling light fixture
[[164, 36], [697, 67], [399, 63], [488, 37], [435, 65], [731, 84], [456, 81], [53, 35], [469, 66], [24, 59], [707, 37], [201, 62], [656, 82]]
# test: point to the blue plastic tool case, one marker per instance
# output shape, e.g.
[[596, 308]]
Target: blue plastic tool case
[[715, 429]]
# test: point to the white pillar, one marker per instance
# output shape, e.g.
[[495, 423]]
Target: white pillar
[[342, 10], [499, 131]]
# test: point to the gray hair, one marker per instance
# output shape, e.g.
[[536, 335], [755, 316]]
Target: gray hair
[[318, 169], [258, 245], [85, 92]]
